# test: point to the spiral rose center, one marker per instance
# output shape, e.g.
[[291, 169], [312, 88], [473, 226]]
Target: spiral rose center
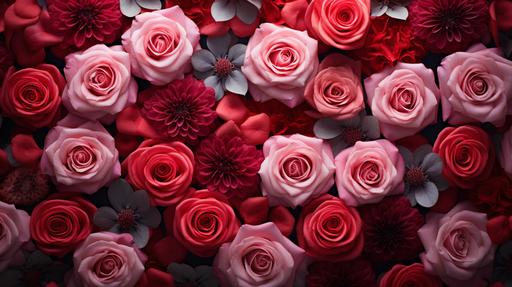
[[403, 100], [259, 261], [297, 167], [58, 225], [457, 243], [223, 67], [161, 42], [81, 159], [100, 79], [283, 58], [369, 172], [108, 266], [207, 222], [415, 176]]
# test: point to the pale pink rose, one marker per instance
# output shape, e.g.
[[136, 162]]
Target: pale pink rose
[[505, 152], [336, 90], [457, 246], [107, 259], [296, 169], [99, 82], [368, 172], [279, 62], [258, 256], [340, 24], [403, 98], [80, 156], [476, 86], [161, 44], [14, 233]]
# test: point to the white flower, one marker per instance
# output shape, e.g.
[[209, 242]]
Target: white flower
[[245, 10], [132, 8], [393, 8]]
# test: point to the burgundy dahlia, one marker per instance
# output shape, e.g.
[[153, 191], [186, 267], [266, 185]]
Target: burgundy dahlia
[[391, 230], [353, 273], [183, 110], [24, 186], [84, 23], [228, 166], [448, 26]]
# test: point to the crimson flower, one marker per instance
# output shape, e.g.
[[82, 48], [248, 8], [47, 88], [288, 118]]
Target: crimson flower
[[353, 273], [182, 110], [391, 230], [448, 26], [228, 166], [84, 23]]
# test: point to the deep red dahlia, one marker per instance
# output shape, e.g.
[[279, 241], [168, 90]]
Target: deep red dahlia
[[183, 110], [24, 186], [353, 273], [448, 26], [228, 166], [388, 42], [391, 230], [86, 22]]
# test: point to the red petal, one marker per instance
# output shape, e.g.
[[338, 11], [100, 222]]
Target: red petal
[[283, 219], [499, 229], [256, 129], [228, 130], [155, 277], [447, 200], [254, 210], [131, 122], [25, 150], [231, 107], [167, 251]]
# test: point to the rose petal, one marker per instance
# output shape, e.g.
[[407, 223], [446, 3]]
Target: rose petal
[[254, 210]]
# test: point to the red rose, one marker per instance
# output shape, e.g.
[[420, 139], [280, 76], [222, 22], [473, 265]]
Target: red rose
[[164, 170], [412, 275], [32, 96], [493, 196], [283, 120], [388, 42], [203, 222], [59, 224], [467, 154], [329, 230]]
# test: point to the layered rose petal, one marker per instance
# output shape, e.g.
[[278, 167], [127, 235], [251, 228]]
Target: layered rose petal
[[14, 227], [161, 44], [296, 169]]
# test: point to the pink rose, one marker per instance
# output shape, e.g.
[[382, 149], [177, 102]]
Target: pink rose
[[404, 99], [161, 44], [368, 172], [476, 86], [107, 259], [258, 256], [278, 64], [99, 82], [80, 156], [14, 233], [506, 151], [340, 24], [457, 246], [296, 168], [336, 90]]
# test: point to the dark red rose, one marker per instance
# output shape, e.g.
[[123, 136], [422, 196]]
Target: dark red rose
[[153, 277], [204, 221], [467, 153], [6, 60], [388, 42], [357, 272], [329, 230], [493, 196], [59, 224], [412, 275], [32, 96], [197, 10]]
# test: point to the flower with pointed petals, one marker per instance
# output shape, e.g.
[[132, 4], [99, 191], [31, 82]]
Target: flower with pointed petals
[[131, 213], [84, 23], [186, 276], [220, 66], [245, 10], [345, 133], [393, 8], [423, 175], [448, 26], [132, 8]]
